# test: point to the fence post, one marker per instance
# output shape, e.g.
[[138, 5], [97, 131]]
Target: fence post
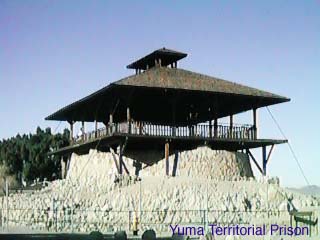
[[140, 204], [207, 208], [2, 216], [71, 216], [7, 205], [129, 220]]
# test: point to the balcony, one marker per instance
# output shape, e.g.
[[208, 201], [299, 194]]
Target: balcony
[[203, 131]]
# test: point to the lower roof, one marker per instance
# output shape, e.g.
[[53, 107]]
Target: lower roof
[[165, 95]]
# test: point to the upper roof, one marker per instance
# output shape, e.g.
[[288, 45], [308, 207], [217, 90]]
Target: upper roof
[[175, 78], [167, 57]]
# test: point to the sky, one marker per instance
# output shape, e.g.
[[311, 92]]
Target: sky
[[55, 52]]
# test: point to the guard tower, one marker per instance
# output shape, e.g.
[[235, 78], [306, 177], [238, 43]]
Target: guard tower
[[167, 109]]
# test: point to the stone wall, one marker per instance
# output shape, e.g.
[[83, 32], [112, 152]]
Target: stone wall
[[214, 186]]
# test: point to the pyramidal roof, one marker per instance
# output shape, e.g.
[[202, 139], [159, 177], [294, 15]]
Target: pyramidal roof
[[164, 55], [155, 75], [176, 78]]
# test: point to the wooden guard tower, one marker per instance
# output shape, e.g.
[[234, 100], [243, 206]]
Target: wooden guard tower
[[164, 108]]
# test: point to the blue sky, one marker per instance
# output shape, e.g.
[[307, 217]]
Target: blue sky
[[55, 52]]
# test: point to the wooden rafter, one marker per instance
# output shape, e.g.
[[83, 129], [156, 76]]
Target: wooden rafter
[[270, 151], [254, 160]]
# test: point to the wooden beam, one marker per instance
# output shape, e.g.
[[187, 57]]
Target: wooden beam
[[166, 155], [231, 126], [71, 132], [255, 122], [116, 162], [215, 127], [129, 120], [110, 118], [95, 128], [269, 154], [175, 163], [125, 167], [120, 160], [83, 130], [254, 160], [264, 160]]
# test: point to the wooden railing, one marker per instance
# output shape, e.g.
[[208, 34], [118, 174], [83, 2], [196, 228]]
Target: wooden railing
[[149, 129]]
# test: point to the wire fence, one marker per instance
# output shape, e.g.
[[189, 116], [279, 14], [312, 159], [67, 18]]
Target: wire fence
[[69, 220]]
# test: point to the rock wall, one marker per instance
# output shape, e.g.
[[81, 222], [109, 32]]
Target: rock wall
[[94, 197], [201, 162], [207, 163]]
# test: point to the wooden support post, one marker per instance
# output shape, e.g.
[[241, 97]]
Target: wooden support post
[[110, 123], [166, 155], [110, 118], [210, 129], [125, 167], [255, 123], [269, 154], [264, 160], [254, 160], [138, 167], [175, 163], [129, 120], [71, 132], [231, 126], [116, 161], [174, 128], [120, 160], [215, 127], [83, 130], [96, 128]]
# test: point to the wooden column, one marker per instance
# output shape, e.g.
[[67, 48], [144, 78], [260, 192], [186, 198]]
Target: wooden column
[[166, 155], [175, 163], [110, 118], [210, 129], [120, 160], [83, 130], [264, 160], [174, 128], [215, 127], [129, 120], [255, 123], [231, 126], [110, 123], [71, 132], [95, 128]]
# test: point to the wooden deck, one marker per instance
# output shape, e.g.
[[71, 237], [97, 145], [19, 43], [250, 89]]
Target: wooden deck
[[147, 129], [144, 136]]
